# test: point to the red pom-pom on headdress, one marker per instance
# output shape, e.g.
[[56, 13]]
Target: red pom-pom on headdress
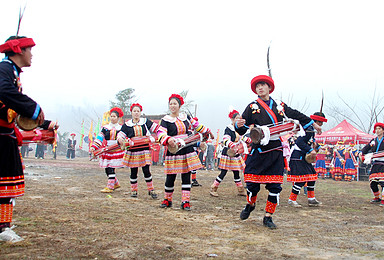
[[177, 96], [136, 105], [232, 113], [16, 45], [378, 124], [117, 110]]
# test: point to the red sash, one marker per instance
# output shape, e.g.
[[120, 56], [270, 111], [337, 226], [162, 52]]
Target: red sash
[[274, 121], [268, 109], [18, 135]]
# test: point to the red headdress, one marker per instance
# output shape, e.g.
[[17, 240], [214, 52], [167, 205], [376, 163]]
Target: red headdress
[[117, 110], [318, 116], [378, 124], [232, 113], [16, 45], [263, 78], [136, 105], [177, 96], [73, 134]]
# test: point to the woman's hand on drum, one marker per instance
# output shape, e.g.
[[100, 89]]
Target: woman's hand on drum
[[120, 141], [172, 142]]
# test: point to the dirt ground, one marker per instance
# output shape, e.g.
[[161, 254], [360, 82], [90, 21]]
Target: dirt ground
[[63, 215]]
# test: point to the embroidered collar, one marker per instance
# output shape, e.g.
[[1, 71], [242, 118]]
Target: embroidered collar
[[171, 119], [110, 126], [231, 127], [142, 121]]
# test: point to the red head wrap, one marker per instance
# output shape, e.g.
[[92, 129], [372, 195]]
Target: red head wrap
[[117, 110], [262, 78], [73, 134], [177, 96], [232, 113], [136, 105], [378, 124], [318, 116], [16, 45]]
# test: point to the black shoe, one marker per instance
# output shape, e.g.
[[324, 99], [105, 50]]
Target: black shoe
[[134, 194], [375, 201], [195, 183], [152, 194], [185, 206], [267, 222], [246, 211], [166, 204]]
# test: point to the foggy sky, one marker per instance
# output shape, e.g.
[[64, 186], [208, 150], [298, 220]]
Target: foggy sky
[[87, 51]]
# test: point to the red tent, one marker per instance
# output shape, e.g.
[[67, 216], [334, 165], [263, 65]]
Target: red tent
[[344, 132]]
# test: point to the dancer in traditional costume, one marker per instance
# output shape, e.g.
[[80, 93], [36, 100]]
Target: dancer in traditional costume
[[227, 163], [350, 162], [376, 176], [200, 147], [173, 126], [301, 169], [18, 54], [71, 147], [141, 156], [112, 159], [338, 159], [265, 163], [320, 167]]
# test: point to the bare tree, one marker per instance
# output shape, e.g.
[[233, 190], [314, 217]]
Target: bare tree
[[363, 115]]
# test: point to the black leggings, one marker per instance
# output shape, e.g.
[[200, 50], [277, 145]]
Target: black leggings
[[375, 185], [273, 188], [146, 172], [236, 176], [185, 182], [298, 185], [5, 201], [110, 172]]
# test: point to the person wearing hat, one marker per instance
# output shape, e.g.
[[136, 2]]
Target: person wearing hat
[[71, 147], [112, 159], [376, 176], [265, 163], [227, 163], [140, 156], [183, 162], [17, 50], [350, 162], [301, 171]]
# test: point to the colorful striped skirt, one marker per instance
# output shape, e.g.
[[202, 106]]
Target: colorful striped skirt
[[137, 159], [235, 163]]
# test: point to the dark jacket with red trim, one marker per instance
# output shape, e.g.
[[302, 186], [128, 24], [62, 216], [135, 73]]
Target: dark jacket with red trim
[[255, 114], [11, 96]]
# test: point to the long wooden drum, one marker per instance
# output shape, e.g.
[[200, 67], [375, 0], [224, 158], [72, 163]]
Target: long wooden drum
[[38, 136]]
